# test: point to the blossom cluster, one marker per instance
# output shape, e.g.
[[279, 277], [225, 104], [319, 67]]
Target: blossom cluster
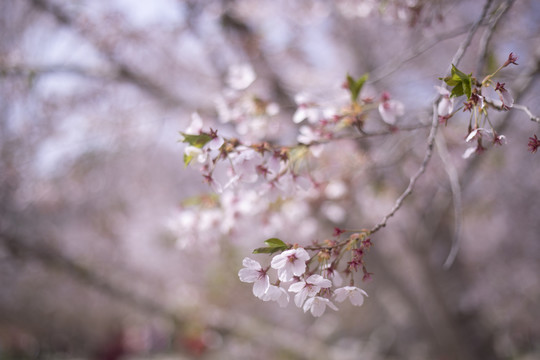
[[313, 292], [480, 98], [246, 164], [275, 170]]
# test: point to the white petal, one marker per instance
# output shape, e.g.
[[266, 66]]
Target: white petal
[[472, 135], [285, 274], [260, 286], [248, 275], [300, 297], [467, 154], [251, 264], [341, 294], [357, 298], [296, 287], [279, 261], [319, 281]]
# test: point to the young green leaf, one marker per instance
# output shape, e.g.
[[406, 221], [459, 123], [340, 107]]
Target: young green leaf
[[196, 140], [275, 242], [355, 86]]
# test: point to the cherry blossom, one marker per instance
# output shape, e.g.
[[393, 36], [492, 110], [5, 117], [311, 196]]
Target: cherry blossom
[[240, 76], [505, 96], [290, 263], [306, 110], [278, 294], [308, 288], [354, 294], [446, 105], [318, 305], [330, 273], [254, 273], [390, 110]]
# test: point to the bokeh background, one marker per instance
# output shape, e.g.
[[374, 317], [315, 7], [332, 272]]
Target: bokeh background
[[111, 249]]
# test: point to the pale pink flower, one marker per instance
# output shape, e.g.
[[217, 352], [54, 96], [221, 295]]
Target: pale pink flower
[[278, 294], [390, 110], [354, 294], [505, 96], [308, 288], [446, 104], [254, 273], [245, 165], [333, 274], [196, 125], [307, 136], [240, 76], [318, 305], [306, 110], [290, 263]]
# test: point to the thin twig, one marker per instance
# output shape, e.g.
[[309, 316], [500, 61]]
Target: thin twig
[[434, 125], [488, 34], [526, 110]]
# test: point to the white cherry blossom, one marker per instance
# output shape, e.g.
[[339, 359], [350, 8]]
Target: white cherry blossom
[[390, 110], [254, 273], [354, 294], [318, 305], [290, 263], [278, 294], [240, 76], [308, 288], [446, 105]]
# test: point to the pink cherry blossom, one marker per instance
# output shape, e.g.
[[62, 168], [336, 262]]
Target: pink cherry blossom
[[306, 110], [354, 294], [240, 76], [390, 110], [278, 294], [505, 96], [254, 273], [290, 263], [446, 104], [308, 288], [318, 305]]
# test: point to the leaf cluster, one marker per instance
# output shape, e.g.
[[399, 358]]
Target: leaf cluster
[[461, 82]]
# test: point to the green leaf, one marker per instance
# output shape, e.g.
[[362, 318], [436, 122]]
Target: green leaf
[[267, 250], [187, 159], [461, 83], [274, 245], [196, 140], [275, 242], [355, 86]]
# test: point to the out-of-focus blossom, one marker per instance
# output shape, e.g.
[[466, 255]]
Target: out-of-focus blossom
[[240, 76], [306, 110], [308, 288], [318, 305], [307, 136], [290, 263], [354, 294], [195, 126], [446, 105], [390, 109], [254, 273], [278, 294]]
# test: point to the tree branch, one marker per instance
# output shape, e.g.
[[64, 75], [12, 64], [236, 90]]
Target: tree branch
[[434, 126]]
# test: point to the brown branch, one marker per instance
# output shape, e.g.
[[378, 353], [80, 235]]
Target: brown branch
[[434, 126], [121, 70]]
